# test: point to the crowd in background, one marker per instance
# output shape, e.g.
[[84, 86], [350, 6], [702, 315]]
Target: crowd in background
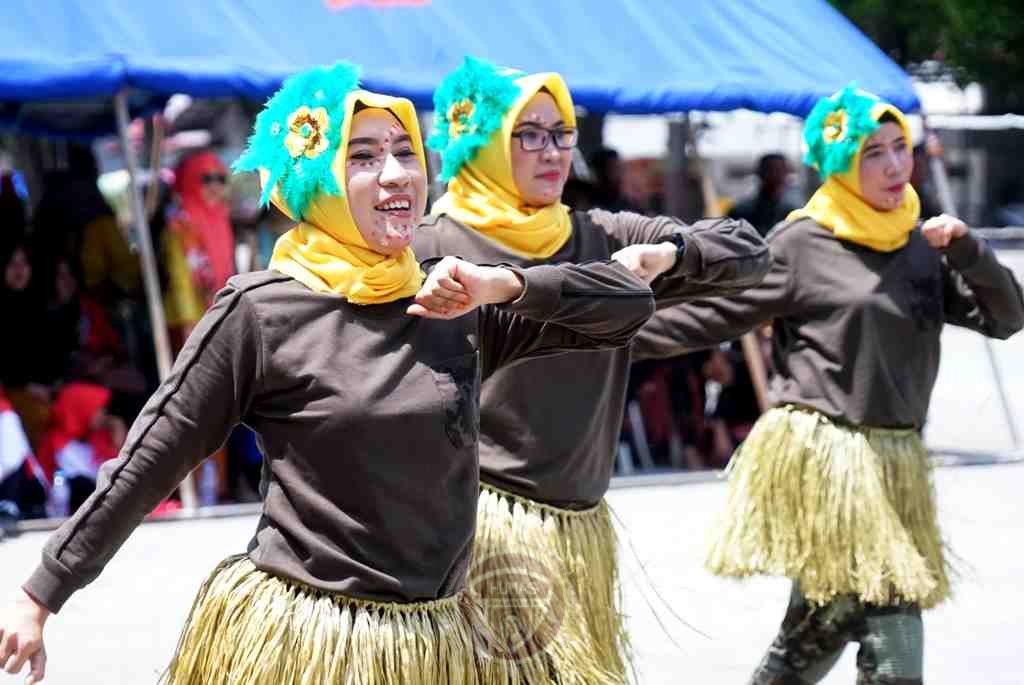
[[76, 355]]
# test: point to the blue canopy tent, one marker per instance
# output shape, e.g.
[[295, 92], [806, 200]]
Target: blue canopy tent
[[627, 56]]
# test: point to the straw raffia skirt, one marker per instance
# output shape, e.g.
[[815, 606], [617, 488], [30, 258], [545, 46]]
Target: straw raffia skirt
[[550, 576], [248, 627], [842, 510]]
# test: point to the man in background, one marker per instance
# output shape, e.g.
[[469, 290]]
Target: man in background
[[773, 200]]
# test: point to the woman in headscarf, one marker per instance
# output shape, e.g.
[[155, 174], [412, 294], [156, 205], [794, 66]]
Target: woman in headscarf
[[832, 487], [26, 368], [550, 427], [367, 417], [199, 245]]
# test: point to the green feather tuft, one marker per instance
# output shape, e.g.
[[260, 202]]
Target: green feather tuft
[[300, 179], [491, 90], [835, 157]]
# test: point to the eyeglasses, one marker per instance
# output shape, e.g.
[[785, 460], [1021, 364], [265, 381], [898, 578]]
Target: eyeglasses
[[535, 138], [207, 179]]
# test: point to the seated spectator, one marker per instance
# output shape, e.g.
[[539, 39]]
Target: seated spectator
[[734, 411], [74, 220], [84, 344], [670, 397], [25, 369], [79, 437], [22, 492]]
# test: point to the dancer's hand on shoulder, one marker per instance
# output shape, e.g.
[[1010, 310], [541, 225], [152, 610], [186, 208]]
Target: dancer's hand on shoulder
[[21, 637], [647, 261], [456, 287], [941, 230]]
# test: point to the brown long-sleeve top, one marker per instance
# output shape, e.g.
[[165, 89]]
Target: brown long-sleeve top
[[856, 331], [549, 427], [367, 418]]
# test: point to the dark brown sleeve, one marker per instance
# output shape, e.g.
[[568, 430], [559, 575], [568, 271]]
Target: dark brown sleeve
[[426, 240], [596, 306], [189, 417], [720, 257], [979, 292], [707, 322]]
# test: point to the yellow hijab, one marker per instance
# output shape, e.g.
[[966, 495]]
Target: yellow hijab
[[839, 205], [484, 196], [326, 252]]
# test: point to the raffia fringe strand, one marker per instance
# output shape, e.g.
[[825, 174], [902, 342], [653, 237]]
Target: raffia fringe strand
[[248, 627], [584, 641], [842, 510]]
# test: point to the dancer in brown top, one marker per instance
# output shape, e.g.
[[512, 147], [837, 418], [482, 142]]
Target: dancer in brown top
[[367, 418], [832, 487], [550, 427]]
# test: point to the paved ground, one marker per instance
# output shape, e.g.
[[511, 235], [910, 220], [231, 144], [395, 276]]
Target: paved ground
[[122, 628]]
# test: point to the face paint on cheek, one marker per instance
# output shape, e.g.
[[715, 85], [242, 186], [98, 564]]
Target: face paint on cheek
[[380, 231]]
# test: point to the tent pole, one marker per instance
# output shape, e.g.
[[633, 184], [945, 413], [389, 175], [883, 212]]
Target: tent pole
[[153, 191], [750, 342], [149, 274], [938, 170]]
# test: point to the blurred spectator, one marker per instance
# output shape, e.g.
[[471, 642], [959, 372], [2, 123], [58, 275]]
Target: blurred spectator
[[73, 223], [732, 411], [774, 199], [22, 492], [580, 195], [244, 466], [85, 346], [79, 437], [25, 368], [669, 395], [607, 170], [199, 245], [73, 220], [271, 226], [12, 211], [1009, 206], [921, 178]]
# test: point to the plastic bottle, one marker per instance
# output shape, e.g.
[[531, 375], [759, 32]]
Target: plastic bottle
[[58, 503]]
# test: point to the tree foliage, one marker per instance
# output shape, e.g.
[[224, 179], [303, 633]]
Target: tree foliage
[[978, 40]]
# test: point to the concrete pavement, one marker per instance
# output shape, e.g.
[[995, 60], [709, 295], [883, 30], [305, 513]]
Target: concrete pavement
[[122, 628]]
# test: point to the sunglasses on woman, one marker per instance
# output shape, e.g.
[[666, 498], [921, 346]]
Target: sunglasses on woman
[[207, 179]]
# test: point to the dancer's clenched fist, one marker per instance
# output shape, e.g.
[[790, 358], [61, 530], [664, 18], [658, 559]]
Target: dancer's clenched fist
[[941, 230], [456, 287]]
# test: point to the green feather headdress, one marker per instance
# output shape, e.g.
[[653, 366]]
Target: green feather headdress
[[297, 135], [835, 129], [469, 105]]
